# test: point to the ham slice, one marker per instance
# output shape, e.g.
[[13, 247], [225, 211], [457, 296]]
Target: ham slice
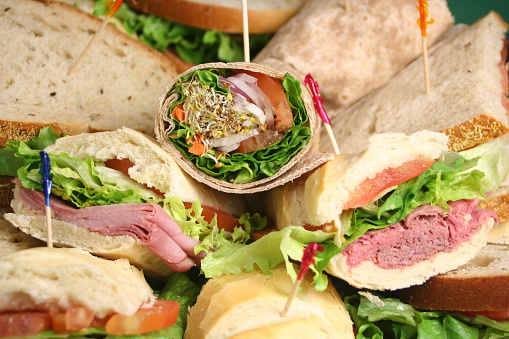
[[426, 231], [147, 223]]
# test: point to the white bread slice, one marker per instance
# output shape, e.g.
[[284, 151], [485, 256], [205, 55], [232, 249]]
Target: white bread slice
[[249, 305], [12, 239], [319, 198], [264, 16], [117, 84], [478, 285], [352, 53], [44, 278], [465, 100]]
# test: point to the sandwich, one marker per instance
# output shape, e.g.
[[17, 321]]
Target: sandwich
[[400, 212], [469, 86], [111, 88], [469, 302], [225, 310], [239, 127], [59, 292], [12, 239], [351, 53], [118, 194]]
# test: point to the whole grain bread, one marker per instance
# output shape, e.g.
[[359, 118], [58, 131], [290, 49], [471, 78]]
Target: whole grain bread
[[117, 84], [479, 285]]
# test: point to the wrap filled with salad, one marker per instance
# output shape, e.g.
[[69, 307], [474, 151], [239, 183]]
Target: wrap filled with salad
[[239, 127]]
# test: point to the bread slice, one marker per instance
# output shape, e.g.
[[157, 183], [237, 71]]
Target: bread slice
[[264, 16], [465, 100], [12, 239], [352, 53], [58, 278], [250, 305], [117, 84], [479, 285]]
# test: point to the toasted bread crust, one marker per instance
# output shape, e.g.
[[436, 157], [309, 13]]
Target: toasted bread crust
[[499, 205], [474, 131]]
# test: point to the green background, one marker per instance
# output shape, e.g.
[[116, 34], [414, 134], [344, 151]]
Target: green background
[[469, 11]]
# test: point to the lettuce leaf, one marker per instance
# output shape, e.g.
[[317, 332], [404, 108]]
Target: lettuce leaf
[[242, 168], [395, 319], [193, 45]]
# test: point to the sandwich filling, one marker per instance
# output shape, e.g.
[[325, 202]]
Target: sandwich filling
[[235, 125]]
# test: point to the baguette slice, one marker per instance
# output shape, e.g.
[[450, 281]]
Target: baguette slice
[[264, 16], [117, 84], [58, 278], [250, 305], [465, 100], [352, 53], [12, 239], [479, 285]]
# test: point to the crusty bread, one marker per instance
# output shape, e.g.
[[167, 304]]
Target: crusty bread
[[12, 239], [153, 167], [465, 100], [264, 16], [368, 275], [117, 84], [319, 198], [250, 305], [352, 53], [44, 278], [479, 285]]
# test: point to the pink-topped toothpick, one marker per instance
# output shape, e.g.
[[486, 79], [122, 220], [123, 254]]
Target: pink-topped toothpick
[[308, 258], [423, 22], [111, 7], [318, 103]]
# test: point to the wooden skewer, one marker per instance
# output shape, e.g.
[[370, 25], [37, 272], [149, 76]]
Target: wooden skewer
[[90, 43], [347, 5], [49, 229], [426, 66], [245, 31], [292, 295]]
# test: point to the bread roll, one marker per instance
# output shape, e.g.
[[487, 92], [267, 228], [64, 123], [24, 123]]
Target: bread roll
[[12, 239], [264, 16], [45, 278], [117, 84], [250, 305]]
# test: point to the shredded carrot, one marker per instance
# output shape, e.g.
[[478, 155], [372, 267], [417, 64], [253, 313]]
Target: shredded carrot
[[178, 112], [197, 148]]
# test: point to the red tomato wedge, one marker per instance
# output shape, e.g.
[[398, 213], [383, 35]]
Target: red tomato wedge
[[371, 188], [495, 315], [21, 324], [73, 319], [162, 314], [224, 220], [283, 119]]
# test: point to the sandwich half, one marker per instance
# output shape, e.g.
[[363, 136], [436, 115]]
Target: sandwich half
[[119, 194], [402, 211]]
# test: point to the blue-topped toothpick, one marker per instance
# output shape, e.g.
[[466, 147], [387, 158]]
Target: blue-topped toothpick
[[46, 188]]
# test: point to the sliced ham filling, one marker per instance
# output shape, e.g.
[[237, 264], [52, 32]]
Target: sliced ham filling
[[423, 233], [147, 223]]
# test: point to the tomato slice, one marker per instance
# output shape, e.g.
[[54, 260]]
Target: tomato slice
[[21, 324], [162, 314], [224, 220], [73, 319], [495, 315], [371, 188]]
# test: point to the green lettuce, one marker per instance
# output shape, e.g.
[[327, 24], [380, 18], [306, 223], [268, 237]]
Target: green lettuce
[[395, 319], [242, 168], [193, 45]]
